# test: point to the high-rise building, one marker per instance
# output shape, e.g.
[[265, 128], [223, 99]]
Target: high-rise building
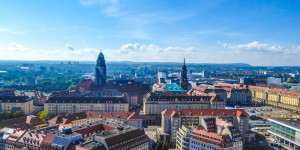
[[183, 77], [100, 71]]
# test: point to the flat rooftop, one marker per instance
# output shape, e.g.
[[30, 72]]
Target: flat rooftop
[[291, 123]]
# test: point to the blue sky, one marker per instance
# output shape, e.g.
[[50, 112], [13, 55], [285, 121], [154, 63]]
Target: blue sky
[[260, 32]]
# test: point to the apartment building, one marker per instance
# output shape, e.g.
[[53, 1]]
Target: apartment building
[[278, 98], [183, 138], [72, 120], [173, 119], [96, 135], [207, 89], [238, 96], [228, 138], [16, 103], [232, 95], [57, 105]]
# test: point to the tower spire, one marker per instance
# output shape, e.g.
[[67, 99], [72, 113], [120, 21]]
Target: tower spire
[[100, 70], [183, 78]]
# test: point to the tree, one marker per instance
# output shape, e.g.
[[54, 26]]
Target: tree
[[18, 114], [2, 115], [73, 86], [8, 115], [42, 115], [291, 80]]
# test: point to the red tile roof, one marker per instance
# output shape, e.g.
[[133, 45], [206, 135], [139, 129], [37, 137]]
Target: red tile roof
[[94, 129], [56, 120], [275, 91], [258, 88], [86, 84], [68, 118], [285, 92], [134, 116], [174, 114], [205, 112], [32, 119], [240, 114], [109, 115], [204, 134], [167, 112], [28, 136], [47, 141]]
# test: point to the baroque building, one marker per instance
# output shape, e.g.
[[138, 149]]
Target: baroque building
[[155, 103]]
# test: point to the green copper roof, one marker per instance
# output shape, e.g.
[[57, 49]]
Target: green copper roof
[[174, 88]]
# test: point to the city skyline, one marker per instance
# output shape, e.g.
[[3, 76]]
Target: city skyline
[[258, 33]]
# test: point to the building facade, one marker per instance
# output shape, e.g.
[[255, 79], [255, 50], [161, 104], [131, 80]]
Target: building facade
[[155, 103], [201, 90], [228, 139], [286, 132], [57, 105], [278, 98], [232, 95], [211, 134], [183, 138], [76, 119], [172, 120], [16, 103], [94, 135], [238, 96]]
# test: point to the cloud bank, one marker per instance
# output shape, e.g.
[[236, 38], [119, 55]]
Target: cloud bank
[[262, 48], [255, 53]]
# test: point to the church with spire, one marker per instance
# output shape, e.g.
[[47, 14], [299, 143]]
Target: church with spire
[[183, 78], [100, 71]]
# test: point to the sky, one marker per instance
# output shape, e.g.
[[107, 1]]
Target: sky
[[257, 32]]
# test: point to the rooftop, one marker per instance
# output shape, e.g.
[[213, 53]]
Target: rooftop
[[14, 99], [295, 124], [205, 112], [90, 145], [67, 118], [164, 97], [86, 100]]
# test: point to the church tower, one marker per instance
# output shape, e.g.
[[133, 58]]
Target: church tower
[[100, 71], [183, 77]]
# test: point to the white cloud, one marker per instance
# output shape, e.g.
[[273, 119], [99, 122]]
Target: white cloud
[[258, 47], [9, 31], [14, 47], [131, 46], [108, 7], [152, 49], [69, 47], [154, 53]]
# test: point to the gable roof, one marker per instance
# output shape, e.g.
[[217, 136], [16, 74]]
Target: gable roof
[[205, 112]]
